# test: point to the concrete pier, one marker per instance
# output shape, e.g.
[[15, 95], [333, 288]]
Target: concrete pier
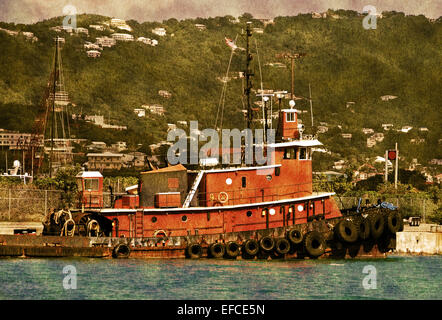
[[35, 228], [422, 239]]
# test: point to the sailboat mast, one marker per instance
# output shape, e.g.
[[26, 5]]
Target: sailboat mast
[[54, 87], [248, 75]]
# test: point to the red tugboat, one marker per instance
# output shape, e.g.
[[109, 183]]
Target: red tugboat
[[249, 211]]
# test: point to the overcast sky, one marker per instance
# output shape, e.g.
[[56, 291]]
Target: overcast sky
[[30, 11]]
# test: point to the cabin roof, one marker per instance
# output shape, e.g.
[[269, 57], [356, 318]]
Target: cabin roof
[[178, 167], [296, 143], [89, 174]]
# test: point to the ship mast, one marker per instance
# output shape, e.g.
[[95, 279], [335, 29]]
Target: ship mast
[[248, 75], [54, 88]]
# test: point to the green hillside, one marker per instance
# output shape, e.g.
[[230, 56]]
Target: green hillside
[[343, 62]]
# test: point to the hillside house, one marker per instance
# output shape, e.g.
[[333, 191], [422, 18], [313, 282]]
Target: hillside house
[[258, 30], [96, 27], [159, 31], [92, 46], [120, 24], [339, 165], [364, 172], [423, 129], [367, 130], [106, 41], [67, 29], [378, 136], [140, 112], [350, 104], [322, 129], [371, 142], [387, 126], [417, 141], [200, 27], [165, 94], [93, 53], [134, 159], [119, 146], [388, 97], [81, 30], [406, 129], [29, 36], [318, 15], [436, 162], [266, 21], [97, 146], [122, 36], [106, 160], [154, 108], [16, 140], [346, 135]]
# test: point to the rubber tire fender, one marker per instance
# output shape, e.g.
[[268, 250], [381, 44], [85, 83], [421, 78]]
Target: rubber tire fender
[[342, 229], [194, 251], [232, 249], [294, 236], [282, 246], [267, 243], [393, 221], [314, 244], [364, 228], [377, 225], [251, 247], [121, 250], [217, 250]]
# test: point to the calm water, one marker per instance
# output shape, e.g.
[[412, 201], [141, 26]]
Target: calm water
[[397, 278]]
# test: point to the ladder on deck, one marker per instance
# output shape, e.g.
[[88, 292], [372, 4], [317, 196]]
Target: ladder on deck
[[139, 224], [193, 189]]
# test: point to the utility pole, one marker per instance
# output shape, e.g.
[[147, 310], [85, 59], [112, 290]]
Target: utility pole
[[310, 99], [396, 167], [292, 56], [386, 167]]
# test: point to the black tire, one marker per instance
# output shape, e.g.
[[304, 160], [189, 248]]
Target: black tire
[[194, 251], [363, 225], [294, 236], [314, 244], [377, 225], [232, 249], [251, 247], [217, 250], [282, 246], [121, 251], [393, 221], [346, 231], [267, 243]]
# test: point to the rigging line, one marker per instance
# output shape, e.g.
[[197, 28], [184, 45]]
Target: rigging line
[[224, 91], [262, 89]]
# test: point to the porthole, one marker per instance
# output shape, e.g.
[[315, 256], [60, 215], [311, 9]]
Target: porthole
[[249, 213], [269, 177], [272, 211], [154, 219], [300, 208], [228, 181], [184, 218]]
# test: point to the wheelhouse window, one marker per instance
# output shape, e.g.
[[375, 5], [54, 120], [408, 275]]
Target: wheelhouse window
[[244, 182], [290, 116], [91, 184], [304, 154], [290, 153]]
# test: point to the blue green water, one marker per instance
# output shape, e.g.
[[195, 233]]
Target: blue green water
[[397, 277]]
